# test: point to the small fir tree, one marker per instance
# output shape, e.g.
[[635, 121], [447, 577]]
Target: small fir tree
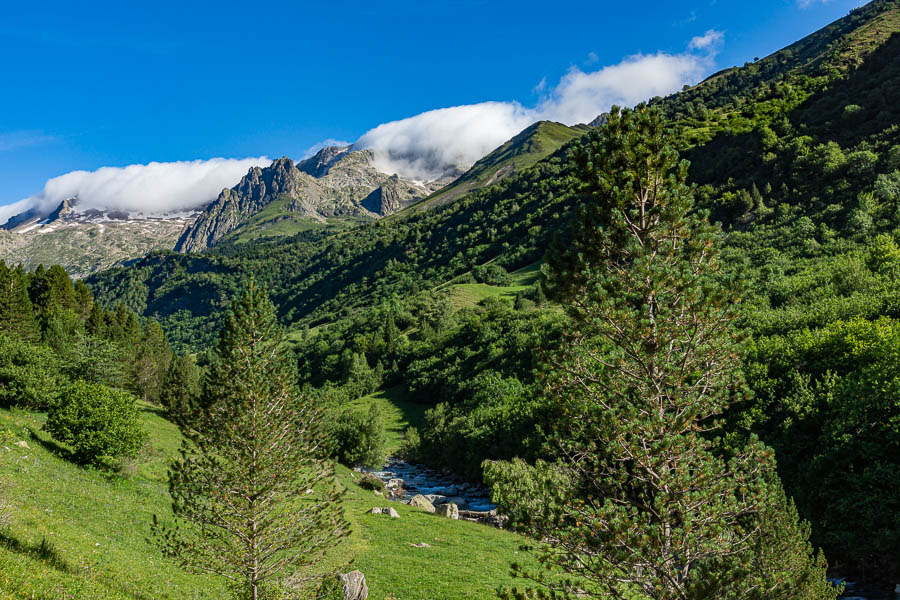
[[252, 492], [181, 390]]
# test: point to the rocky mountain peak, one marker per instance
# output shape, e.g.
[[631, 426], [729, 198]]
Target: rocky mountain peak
[[599, 120], [320, 163], [337, 182], [65, 208]]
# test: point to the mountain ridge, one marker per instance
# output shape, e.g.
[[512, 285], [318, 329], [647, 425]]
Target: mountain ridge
[[336, 183], [532, 144]]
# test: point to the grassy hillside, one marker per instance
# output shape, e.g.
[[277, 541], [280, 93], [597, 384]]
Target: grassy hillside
[[80, 533], [534, 143], [398, 411], [277, 220], [467, 295], [93, 526]]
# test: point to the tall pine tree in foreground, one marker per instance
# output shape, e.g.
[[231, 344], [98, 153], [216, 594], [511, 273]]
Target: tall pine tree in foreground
[[652, 504], [254, 496]]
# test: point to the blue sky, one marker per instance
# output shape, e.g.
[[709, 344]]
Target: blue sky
[[113, 84]]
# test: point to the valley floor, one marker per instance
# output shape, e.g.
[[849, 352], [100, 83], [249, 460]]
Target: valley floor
[[79, 533]]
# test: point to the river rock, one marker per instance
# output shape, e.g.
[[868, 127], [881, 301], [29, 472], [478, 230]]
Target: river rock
[[436, 498], [394, 484], [490, 517], [389, 511], [448, 510], [355, 587], [420, 501]]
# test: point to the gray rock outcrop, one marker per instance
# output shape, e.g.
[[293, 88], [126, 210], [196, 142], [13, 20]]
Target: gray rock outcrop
[[449, 510], [421, 502], [391, 196], [384, 511], [355, 587]]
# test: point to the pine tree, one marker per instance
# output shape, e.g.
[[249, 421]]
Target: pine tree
[[151, 362], [391, 334], [16, 312], [84, 300], [181, 390], [96, 323], [239, 490], [540, 297], [659, 506], [51, 289]]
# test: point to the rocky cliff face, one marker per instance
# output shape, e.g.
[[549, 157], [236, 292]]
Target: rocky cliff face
[[391, 196], [319, 164], [335, 183]]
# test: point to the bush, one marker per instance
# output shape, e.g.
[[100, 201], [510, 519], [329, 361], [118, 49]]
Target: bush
[[359, 438], [100, 423], [491, 275], [411, 446], [371, 482], [28, 374]]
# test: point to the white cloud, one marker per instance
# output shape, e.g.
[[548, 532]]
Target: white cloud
[[808, 3], [152, 189], [708, 41], [425, 146], [448, 140], [581, 96], [440, 141]]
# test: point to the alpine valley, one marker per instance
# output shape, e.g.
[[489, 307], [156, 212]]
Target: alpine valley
[[433, 322]]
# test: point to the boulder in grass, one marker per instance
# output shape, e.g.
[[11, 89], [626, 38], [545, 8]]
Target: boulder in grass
[[449, 510], [383, 511], [355, 587], [421, 502]]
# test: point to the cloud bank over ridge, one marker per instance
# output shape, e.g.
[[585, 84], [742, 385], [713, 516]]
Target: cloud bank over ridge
[[446, 140], [153, 189]]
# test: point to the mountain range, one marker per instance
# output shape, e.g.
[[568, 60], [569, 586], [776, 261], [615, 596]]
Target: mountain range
[[336, 188]]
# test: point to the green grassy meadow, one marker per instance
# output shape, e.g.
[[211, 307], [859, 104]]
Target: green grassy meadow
[[82, 533], [398, 412]]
